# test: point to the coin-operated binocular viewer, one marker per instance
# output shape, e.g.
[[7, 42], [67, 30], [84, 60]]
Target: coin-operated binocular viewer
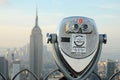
[[76, 47]]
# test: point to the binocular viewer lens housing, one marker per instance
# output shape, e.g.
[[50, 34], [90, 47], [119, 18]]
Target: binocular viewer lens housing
[[82, 37], [76, 27]]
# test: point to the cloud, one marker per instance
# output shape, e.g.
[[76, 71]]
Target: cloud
[[3, 1], [113, 6], [107, 16]]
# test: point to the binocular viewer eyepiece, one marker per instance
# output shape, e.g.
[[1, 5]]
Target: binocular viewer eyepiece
[[77, 27], [76, 47]]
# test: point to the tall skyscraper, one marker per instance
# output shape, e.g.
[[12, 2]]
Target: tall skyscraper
[[111, 66], [4, 68], [16, 68], [36, 49]]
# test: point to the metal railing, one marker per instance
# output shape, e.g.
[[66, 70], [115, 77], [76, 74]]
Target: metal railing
[[117, 73], [3, 77], [46, 77], [36, 78], [50, 73], [97, 75]]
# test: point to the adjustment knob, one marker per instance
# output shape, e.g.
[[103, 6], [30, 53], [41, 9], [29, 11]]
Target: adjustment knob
[[49, 38], [104, 38]]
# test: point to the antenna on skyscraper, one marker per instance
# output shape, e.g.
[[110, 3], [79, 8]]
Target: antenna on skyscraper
[[36, 22], [36, 3]]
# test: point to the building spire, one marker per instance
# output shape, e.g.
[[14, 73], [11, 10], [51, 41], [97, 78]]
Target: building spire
[[36, 22]]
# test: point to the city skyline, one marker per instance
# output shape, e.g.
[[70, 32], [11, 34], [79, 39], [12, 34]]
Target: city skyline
[[17, 19], [21, 36]]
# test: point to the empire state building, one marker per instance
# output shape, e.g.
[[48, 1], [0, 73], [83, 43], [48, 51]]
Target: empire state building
[[36, 49]]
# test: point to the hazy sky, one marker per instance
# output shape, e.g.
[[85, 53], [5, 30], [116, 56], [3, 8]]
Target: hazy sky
[[17, 18]]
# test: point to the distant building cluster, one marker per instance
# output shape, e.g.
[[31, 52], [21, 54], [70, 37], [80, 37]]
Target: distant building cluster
[[4, 67], [13, 60], [16, 60], [107, 68]]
